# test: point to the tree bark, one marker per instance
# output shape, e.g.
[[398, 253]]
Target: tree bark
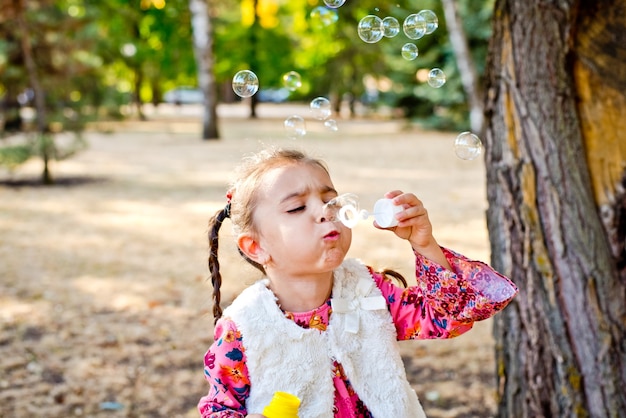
[[203, 47], [555, 208]]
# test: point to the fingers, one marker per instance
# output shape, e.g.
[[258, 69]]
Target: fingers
[[405, 200]]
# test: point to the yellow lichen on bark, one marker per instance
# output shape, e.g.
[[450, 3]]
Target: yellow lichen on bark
[[511, 119], [602, 112]]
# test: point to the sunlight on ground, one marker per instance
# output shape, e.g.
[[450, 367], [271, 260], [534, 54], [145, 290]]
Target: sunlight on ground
[[103, 291]]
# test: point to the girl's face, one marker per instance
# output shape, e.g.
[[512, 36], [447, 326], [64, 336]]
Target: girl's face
[[290, 224]]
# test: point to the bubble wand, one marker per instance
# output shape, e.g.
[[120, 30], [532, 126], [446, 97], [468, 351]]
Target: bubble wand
[[345, 209]]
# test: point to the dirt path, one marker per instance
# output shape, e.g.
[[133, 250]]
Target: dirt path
[[104, 304]]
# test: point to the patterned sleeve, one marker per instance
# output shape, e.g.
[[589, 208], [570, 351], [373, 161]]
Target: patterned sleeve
[[444, 303], [225, 370]]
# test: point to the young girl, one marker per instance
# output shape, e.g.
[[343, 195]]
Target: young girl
[[320, 326]]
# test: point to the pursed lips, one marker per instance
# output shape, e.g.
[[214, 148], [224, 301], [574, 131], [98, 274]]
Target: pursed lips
[[332, 235]]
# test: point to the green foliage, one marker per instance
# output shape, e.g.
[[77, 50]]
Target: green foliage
[[95, 56], [48, 146], [13, 156]]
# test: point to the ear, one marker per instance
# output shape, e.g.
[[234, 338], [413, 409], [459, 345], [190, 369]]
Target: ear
[[252, 249]]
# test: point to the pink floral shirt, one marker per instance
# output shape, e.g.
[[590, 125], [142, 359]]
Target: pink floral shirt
[[443, 304]]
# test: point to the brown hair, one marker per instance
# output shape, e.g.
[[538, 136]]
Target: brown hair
[[243, 199]]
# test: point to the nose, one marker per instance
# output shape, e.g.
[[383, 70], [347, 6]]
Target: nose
[[329, 212]]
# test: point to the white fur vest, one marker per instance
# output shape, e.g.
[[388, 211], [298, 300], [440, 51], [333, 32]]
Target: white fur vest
[[282, 356]]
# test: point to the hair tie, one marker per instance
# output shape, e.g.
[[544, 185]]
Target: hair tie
[[229, 198]]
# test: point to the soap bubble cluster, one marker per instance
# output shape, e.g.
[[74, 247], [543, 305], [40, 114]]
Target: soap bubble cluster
[[370, 29]]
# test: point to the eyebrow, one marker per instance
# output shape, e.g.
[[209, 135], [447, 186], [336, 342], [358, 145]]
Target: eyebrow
[[324, 190]]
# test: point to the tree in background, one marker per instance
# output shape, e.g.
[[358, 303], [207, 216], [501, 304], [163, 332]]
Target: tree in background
[[46, 48], [465, 63], [203, 47], [556, 181], [146, 47]]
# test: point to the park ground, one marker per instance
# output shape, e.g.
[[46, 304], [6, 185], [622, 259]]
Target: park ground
[[105, 306]]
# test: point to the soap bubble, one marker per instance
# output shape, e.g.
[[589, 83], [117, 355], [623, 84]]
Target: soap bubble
[[292, 80], [295, 127], [345, 209], [331, 125], [432, 23], [436, 78], [322, 17], [371, 29], [391, 27], [320, 108], [245, 83], [409, 51], [414, 26], [334, 3], [467, 146]]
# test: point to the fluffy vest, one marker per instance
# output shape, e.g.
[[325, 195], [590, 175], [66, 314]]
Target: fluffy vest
[[282, 356]]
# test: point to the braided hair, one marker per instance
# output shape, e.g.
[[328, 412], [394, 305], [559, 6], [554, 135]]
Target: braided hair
[[242, 198]]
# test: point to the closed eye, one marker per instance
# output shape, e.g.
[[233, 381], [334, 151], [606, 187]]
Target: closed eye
[[298, 209]]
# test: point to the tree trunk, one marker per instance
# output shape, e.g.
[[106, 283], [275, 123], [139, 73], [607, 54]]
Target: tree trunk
[[555, 185], [203, 47], [40, 101], [465, 63], [253, 33]]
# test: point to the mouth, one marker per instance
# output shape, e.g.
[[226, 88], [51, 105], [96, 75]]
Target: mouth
[[332, 235]]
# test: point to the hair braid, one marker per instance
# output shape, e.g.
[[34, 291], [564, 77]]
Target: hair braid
[[396, 275], [215, 223]]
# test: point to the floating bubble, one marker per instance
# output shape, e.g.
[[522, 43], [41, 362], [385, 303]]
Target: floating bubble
[[432, 23], [320, 108], [295, 127], [322, 17], [409, 51], [292, 80], [331, 125], [391, 27], [371, 29], [334, 3], [436, 78], [414, 26], [467, 146], [245, 83]]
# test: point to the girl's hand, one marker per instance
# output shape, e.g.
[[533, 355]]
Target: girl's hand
[[414, 225]]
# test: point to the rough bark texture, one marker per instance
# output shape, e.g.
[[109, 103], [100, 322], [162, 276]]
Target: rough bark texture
[[561, 347]]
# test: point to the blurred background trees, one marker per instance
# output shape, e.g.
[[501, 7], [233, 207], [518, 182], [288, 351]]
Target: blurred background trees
[[93, 59]]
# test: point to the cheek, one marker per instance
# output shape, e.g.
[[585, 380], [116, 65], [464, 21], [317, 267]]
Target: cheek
[[347, 236]]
